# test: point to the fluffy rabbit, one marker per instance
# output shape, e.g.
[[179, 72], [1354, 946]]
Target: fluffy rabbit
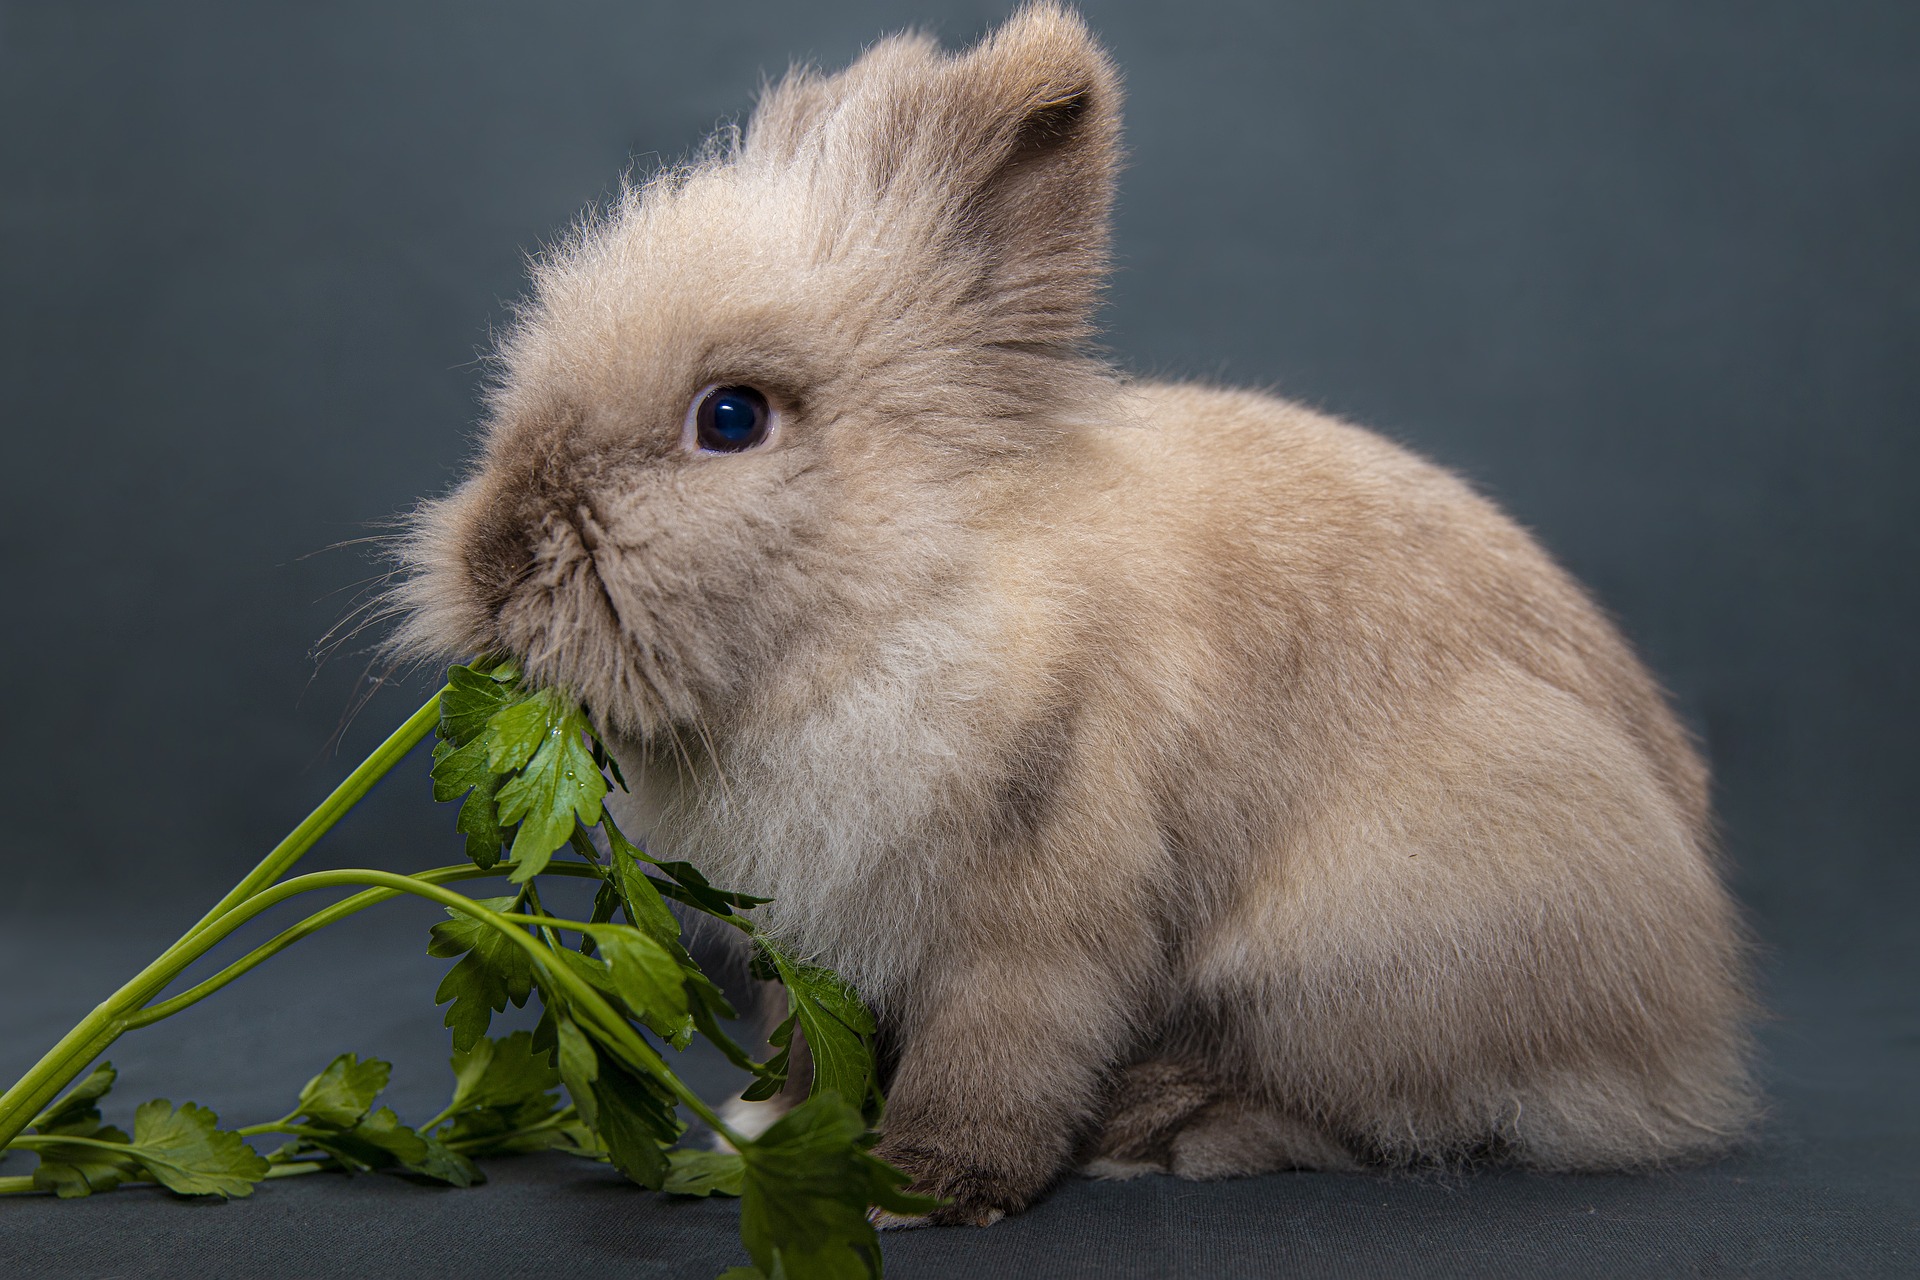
[[1189, 780]]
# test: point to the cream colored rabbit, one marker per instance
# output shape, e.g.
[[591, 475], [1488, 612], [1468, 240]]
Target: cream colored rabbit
[[1190, 781]]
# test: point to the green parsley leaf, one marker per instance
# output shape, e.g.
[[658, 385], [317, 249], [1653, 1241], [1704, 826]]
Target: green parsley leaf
[[443, 1164], [519, 729], [633, 1118], [380, 1141], [648, 979], [472, 698], [479, 1135], [345, 1091], [493, 971], [558, 781], [639, 891], [533, 1122], [773, 1072], [479, 821], [839, 1028], [684, 881], [461, 766], [76, 1112], [805, 1191], [603, 759], [594, 973], [607, 903], [535, 1125], [707, 1006], [456, 769], [416, 1152], [187, 1152], [464, 770], [72, 1170], [634, 1122], [689, 886], [501, 1074], [697, 1172], [579, 1066]]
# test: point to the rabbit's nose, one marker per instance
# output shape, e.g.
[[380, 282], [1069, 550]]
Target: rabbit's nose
[[538, 532], [500, 554]]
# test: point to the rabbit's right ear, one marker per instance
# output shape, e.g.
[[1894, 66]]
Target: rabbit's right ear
[[997, 164]]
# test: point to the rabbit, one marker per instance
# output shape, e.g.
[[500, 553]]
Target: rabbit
[[1191, 782]]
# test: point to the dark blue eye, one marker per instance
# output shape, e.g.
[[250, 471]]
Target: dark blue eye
[[729, 419]]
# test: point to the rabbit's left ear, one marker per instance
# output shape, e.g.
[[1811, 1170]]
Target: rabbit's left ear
[[1025, 134], [988, 175]]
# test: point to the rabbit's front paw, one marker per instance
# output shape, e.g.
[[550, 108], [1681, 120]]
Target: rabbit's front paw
[[977, 1194]]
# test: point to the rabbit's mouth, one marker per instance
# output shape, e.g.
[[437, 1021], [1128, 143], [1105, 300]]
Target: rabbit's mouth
[[539, 576], [575, 617]]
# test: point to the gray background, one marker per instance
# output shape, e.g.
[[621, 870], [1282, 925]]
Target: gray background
[[1647, 273]]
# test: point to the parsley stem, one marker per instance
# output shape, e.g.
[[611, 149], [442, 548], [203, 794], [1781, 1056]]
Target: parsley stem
[[103, 1025], [564, 1116], [17, 1185], [554, 1121], [32, 1141], [548, 924], [540, 916], [349, 793], [320, 920], [294, 1168], [59, 1065], [614, 1032], [271, 1126], [283, 1126]]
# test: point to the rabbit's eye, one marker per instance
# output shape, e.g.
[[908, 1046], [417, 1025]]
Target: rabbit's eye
[[729, 419]]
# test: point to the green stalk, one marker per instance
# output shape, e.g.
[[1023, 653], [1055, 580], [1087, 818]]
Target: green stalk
[[349, 793], [560, 1118], [58, 1067], [281, 1126], [540, 919], [101, 1027], [35, 1141], [614, 1031], [271, 1126], [294, 1168], [320, 920]]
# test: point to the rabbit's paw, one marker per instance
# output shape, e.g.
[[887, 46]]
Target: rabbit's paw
[[976, 1195]]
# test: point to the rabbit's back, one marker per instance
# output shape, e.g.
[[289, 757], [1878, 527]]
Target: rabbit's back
[[1454, 887], [1349, 577]]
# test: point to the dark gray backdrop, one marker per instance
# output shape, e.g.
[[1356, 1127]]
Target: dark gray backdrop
[[1647, 273]]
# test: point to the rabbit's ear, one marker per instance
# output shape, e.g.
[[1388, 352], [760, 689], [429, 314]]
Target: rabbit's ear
[[1032, 132], [992, 170]]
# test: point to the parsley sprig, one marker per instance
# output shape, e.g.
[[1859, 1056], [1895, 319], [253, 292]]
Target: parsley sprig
[[592, 1078]]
